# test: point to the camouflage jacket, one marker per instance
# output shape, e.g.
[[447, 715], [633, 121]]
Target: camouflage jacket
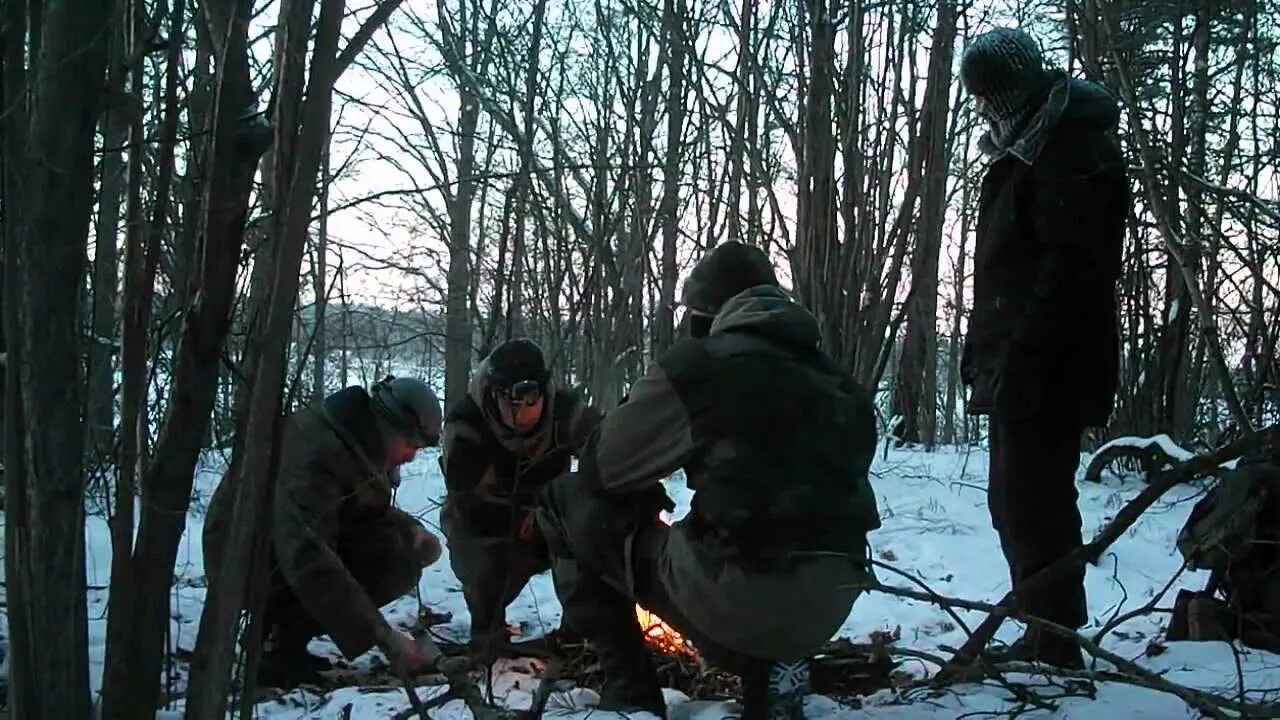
[[331, 481], [487, 467]]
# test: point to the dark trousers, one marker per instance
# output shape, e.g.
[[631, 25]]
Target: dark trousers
[[606, 557], [378, 554], [1032, 497], [493, 565]]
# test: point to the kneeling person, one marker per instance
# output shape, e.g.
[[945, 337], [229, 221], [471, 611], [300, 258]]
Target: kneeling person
[[776, 442], [339, 548], [511, 434]]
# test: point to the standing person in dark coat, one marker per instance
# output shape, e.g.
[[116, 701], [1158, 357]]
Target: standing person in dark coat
[[1042, 352], [775, 439], [512, 432]]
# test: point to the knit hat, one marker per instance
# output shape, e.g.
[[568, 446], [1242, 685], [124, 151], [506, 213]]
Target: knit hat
[[515, 360], [726, 271], [1005, 68]]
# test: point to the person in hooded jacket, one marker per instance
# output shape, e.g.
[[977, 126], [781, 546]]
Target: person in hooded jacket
[[776, 441], [504, 441], [340, 549], [1042, 352]]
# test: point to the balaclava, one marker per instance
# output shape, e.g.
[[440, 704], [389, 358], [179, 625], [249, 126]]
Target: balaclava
[[729, 269], [1005, 68]]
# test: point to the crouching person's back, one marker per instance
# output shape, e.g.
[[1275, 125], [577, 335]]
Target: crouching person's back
[[776, 442]]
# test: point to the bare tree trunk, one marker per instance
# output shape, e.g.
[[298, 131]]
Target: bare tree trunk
[[24, 698], [462, 56], [320, 284], [1173, 240], [917, 377], [674, 12], [130, 459], [737, 158], [1189, 381], [55, 165], [100, 410], [131, 678], [816, 201], [141, 257], [515, 307], [302, 133]]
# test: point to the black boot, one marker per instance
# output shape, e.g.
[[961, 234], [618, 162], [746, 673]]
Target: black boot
[[490, 636], [287, 667], [1041, 647], [775, 690], [630, 679]]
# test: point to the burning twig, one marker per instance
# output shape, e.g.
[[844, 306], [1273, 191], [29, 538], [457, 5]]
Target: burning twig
[[662, 637], [657, 633]]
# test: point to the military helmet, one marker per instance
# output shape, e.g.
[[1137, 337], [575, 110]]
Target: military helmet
[[410, 407]]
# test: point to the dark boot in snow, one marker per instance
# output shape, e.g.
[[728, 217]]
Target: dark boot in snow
[[1047, 648], [631, 682], [288, 667], [775, 690]]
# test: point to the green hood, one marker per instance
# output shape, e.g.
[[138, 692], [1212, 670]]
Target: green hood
[[768, 312]]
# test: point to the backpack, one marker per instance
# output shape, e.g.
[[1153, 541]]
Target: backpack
[[1234, 532]]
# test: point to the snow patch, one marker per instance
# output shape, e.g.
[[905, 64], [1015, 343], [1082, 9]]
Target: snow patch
[[935, 527]]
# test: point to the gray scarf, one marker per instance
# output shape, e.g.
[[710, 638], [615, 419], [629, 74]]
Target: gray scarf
[[1024, 136]]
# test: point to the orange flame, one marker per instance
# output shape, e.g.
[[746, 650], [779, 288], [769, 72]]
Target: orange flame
[[657, 632]]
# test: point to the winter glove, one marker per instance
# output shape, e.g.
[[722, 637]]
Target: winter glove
[[654, 500], [982, 394], [407, 658], [426, 546], [528, 530]]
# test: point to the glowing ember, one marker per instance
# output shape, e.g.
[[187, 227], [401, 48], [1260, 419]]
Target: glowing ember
[[657, 632]]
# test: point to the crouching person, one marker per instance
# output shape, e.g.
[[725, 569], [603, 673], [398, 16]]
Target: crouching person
[[339, 548], [504, 441], [776, 442]]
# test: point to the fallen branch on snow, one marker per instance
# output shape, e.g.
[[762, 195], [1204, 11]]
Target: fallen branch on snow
[[1261, 440], [1211, 705], [1152, 454], [455, 670]]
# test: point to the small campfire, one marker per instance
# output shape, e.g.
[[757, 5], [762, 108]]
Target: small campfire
[[657, 633], [662, 637]]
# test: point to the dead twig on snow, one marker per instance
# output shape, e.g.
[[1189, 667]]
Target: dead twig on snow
[[1160, 484], [1211, 705]]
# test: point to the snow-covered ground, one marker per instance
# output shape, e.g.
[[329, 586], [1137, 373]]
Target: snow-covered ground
[[935, 527]]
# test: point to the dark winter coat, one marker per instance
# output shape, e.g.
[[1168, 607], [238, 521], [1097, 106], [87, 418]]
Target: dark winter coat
[[1044, 327], [487, 467], [776, 442], [332, 482]]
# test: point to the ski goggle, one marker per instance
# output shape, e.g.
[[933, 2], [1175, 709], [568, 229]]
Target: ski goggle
[[524, 392]]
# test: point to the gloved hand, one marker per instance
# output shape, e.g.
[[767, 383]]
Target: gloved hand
[[406, 657], [528, 530], [654, 500], [426, 546]]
